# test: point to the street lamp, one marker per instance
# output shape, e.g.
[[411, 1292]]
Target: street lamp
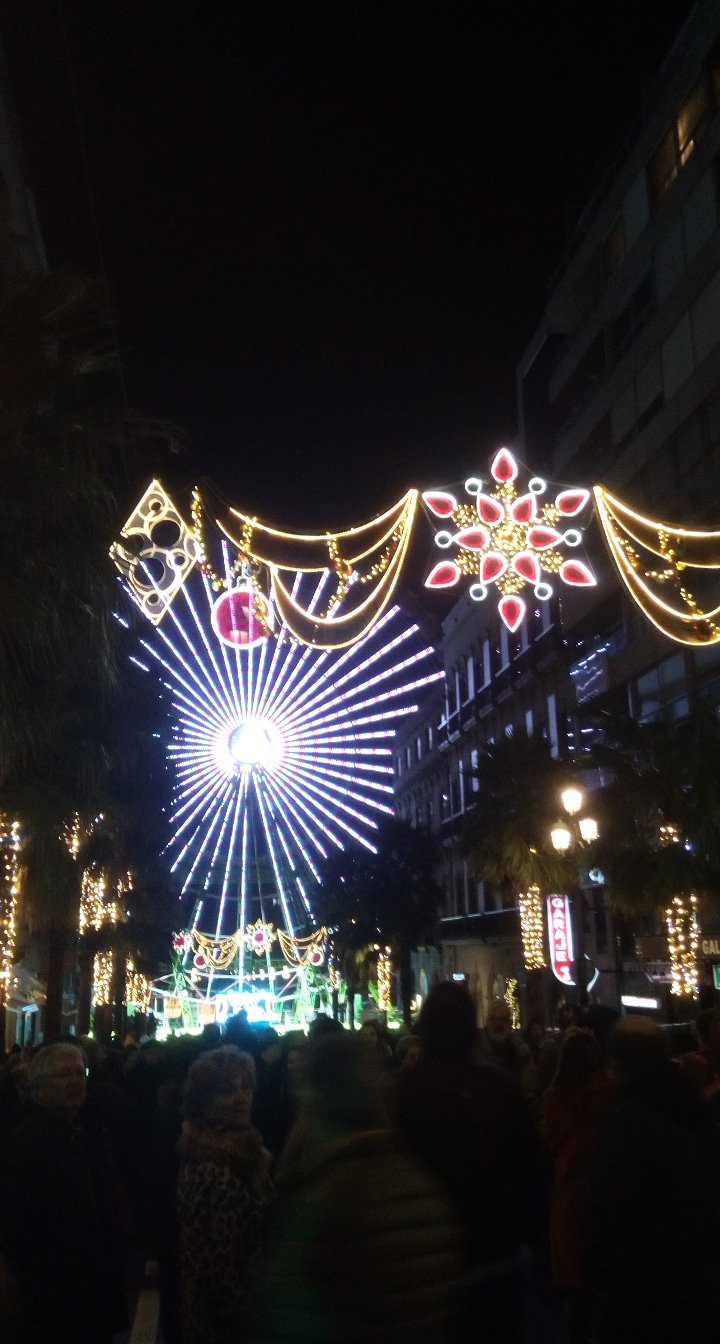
[[570, 836]]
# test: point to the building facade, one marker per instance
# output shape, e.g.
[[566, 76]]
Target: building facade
[[619, 386]]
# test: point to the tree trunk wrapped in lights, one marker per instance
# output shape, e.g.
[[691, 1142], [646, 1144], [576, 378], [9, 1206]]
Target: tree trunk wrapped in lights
[[531, 928], [683, 937], [384, 979]]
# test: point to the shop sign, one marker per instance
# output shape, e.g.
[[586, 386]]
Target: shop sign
[[560, 938], [710, 947]]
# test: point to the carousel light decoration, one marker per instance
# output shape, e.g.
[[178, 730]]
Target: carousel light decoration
[[9, 893], [531, 928], [681, 917], [259, 937], [307, 951], [508, 540], [654, 559], [282, 751]]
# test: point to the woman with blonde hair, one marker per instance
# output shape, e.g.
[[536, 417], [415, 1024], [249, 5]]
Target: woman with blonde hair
[[223, 1192]]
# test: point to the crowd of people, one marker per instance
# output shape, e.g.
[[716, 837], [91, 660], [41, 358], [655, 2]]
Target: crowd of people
[[336, 1187]]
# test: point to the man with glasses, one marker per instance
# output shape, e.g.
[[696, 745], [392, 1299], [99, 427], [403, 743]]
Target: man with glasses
[[59, 1223]]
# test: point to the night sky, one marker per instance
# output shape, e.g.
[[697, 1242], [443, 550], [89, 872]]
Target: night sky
[[326, 228]]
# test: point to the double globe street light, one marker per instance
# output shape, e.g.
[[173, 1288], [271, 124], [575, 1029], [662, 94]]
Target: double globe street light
[[570, 836]]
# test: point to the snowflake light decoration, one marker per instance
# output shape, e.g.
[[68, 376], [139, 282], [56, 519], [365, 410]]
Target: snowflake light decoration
[[508, 540]]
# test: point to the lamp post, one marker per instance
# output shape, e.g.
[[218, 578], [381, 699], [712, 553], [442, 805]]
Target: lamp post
[[570, 836]]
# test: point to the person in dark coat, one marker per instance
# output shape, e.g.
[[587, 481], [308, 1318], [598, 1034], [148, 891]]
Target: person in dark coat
[[361, 1245], [60, 1211], [654, 1229], [573, 1109], [469, 1123]]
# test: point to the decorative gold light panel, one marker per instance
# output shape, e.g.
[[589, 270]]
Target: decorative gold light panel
[[160, 554]]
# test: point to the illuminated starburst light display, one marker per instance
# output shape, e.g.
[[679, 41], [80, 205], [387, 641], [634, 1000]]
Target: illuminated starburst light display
[[282, 752], [508, 539]]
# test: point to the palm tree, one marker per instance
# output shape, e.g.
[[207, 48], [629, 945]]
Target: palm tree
[[390, 897], [507, 832], [59, 657], [659, 812]]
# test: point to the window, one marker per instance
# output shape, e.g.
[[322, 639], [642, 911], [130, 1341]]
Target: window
[[678, 144], [486, 671], [638, 308], [470, 676], [614, 248], [474, 761]]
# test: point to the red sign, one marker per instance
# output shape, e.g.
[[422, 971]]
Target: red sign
[[560, 938]]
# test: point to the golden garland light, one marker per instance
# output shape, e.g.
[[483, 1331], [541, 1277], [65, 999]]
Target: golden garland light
[[9, 893], [683, 937], [384, 979], [511, 998], [636, 544], [215, 954], [383, 541], [137, 988], [93, 911], [308, 951], [102, 979], [531, 928]]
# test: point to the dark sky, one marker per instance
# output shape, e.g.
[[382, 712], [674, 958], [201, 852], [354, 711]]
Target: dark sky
[[326, 226]]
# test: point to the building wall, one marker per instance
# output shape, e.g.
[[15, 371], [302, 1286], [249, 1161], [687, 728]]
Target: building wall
[[620, 386]]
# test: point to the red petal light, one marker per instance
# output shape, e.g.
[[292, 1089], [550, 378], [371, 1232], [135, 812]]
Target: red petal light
[[440, 503], [512, 610], [504, 466], [472, 538], [492, 566], [489, 509], [527, 566], [444, 575], [577, 574], [542, 538], [522, 510], [570, 502]]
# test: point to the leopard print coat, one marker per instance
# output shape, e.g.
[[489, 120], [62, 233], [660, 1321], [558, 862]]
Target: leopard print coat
[[223, 1192]]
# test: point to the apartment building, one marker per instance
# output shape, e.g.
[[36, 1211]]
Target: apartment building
[[619, 386]]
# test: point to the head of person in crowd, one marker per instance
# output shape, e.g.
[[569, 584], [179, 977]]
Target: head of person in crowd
[[343, 1083], [535, 1033], [57, 1078], [600, 1019], [407, 1051], [294, 1047], [569, 1015], [638, 1048], [16, 1073], [375, 1038], [498, 1023], [219, 1088], [707, 1025], [447, 1025], [580, 1058], [211, 1036], [322, 1025]]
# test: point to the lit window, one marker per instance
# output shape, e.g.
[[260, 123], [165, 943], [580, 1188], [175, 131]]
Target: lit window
[[676, 147]]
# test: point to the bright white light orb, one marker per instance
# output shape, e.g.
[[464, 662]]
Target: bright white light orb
[[254, 742]]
